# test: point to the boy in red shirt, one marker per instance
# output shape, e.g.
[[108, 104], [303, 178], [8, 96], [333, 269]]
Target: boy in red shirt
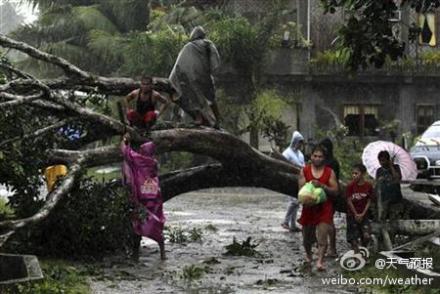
[[359, 195]]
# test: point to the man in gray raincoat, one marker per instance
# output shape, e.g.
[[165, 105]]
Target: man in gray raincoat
[[192, 78]]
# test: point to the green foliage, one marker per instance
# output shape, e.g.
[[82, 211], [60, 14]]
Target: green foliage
[[211, 228], [195, 234], [431, 57], [175, 161], [237, 41], [92, 221], [331, 60], [265, 114], [90, 34], [367, 33], [6, 211], [176, 235], [153, 52], [192, 272], [245, 248], [59, 278]]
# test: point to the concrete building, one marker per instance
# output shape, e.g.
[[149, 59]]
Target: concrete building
[[364, 103]]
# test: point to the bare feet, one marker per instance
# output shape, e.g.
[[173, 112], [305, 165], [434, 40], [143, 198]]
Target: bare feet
[[331, 254], [320, 267]]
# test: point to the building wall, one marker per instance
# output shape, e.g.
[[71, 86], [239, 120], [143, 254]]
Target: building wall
[[320, 100]]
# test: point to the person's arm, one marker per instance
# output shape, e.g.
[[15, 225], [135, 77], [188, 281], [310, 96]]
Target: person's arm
[[301, 179], [362, 215], [126, 102], [351, 206], [164, 103], [395, 172], [332, 188]]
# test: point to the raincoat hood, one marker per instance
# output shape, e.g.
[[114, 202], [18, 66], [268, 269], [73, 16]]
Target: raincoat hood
[[327, 143], [197, 33], [147, 149], [296, 137]]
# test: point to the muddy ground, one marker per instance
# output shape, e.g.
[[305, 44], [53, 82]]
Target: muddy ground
[[221, 215]]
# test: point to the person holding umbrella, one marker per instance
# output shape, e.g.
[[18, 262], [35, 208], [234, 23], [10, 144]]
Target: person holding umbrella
[[388, 177]]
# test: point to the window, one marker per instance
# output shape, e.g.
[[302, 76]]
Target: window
[[427, 24], [361, 120], [425, 117]]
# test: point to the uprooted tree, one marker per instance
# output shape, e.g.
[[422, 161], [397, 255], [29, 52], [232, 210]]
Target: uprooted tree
[[33, 110]]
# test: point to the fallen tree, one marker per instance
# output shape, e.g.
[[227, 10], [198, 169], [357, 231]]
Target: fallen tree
[[55, 103]]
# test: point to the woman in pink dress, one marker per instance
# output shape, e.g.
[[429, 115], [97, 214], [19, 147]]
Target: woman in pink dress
[[140, 170]]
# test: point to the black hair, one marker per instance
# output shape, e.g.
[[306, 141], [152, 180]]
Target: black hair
[[147, 78], [384, 155], [328, 145], [319, 147], [360, 167]]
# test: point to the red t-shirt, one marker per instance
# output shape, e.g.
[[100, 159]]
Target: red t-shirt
[[359, 195]]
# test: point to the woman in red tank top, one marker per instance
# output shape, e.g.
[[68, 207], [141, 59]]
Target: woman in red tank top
[[317, 220], [321, 213]]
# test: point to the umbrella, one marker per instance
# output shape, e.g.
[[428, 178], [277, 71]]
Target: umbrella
[[399, 156]]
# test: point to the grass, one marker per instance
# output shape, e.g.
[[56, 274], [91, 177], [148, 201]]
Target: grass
[[211, 228], [245, 248], [193, 272], [59, 277], [176, 234]]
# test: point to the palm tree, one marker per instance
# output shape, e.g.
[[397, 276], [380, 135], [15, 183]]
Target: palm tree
[[89, 33]]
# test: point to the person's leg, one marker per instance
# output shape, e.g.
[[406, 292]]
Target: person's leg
[[353, 233], [133, 117], [290, 218], [135, 249], [354, 246], [308, 240], [162, 249], [322, 234], [366, 232], [332, 243], [149, 119]]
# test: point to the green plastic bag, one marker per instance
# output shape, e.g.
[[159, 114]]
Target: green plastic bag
[[306, 196], [320, 195], [309, 195]]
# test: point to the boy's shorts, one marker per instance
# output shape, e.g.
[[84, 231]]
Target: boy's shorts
[[356, 230]]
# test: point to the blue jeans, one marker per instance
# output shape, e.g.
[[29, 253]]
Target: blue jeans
[[292, 210]]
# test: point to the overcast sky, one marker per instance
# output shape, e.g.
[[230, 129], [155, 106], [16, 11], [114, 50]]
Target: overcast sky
[[24, 9]]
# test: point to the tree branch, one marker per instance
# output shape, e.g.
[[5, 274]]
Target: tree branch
[[222, 146], [17, 99], [36, 133], [68, 68], [52, 200]]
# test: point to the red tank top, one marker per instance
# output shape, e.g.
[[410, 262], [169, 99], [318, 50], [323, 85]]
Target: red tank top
[[321, 213]]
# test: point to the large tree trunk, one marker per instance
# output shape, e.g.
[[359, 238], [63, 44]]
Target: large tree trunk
[[237, 163]]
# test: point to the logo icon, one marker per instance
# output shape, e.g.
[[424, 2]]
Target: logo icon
[[352, 261]]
